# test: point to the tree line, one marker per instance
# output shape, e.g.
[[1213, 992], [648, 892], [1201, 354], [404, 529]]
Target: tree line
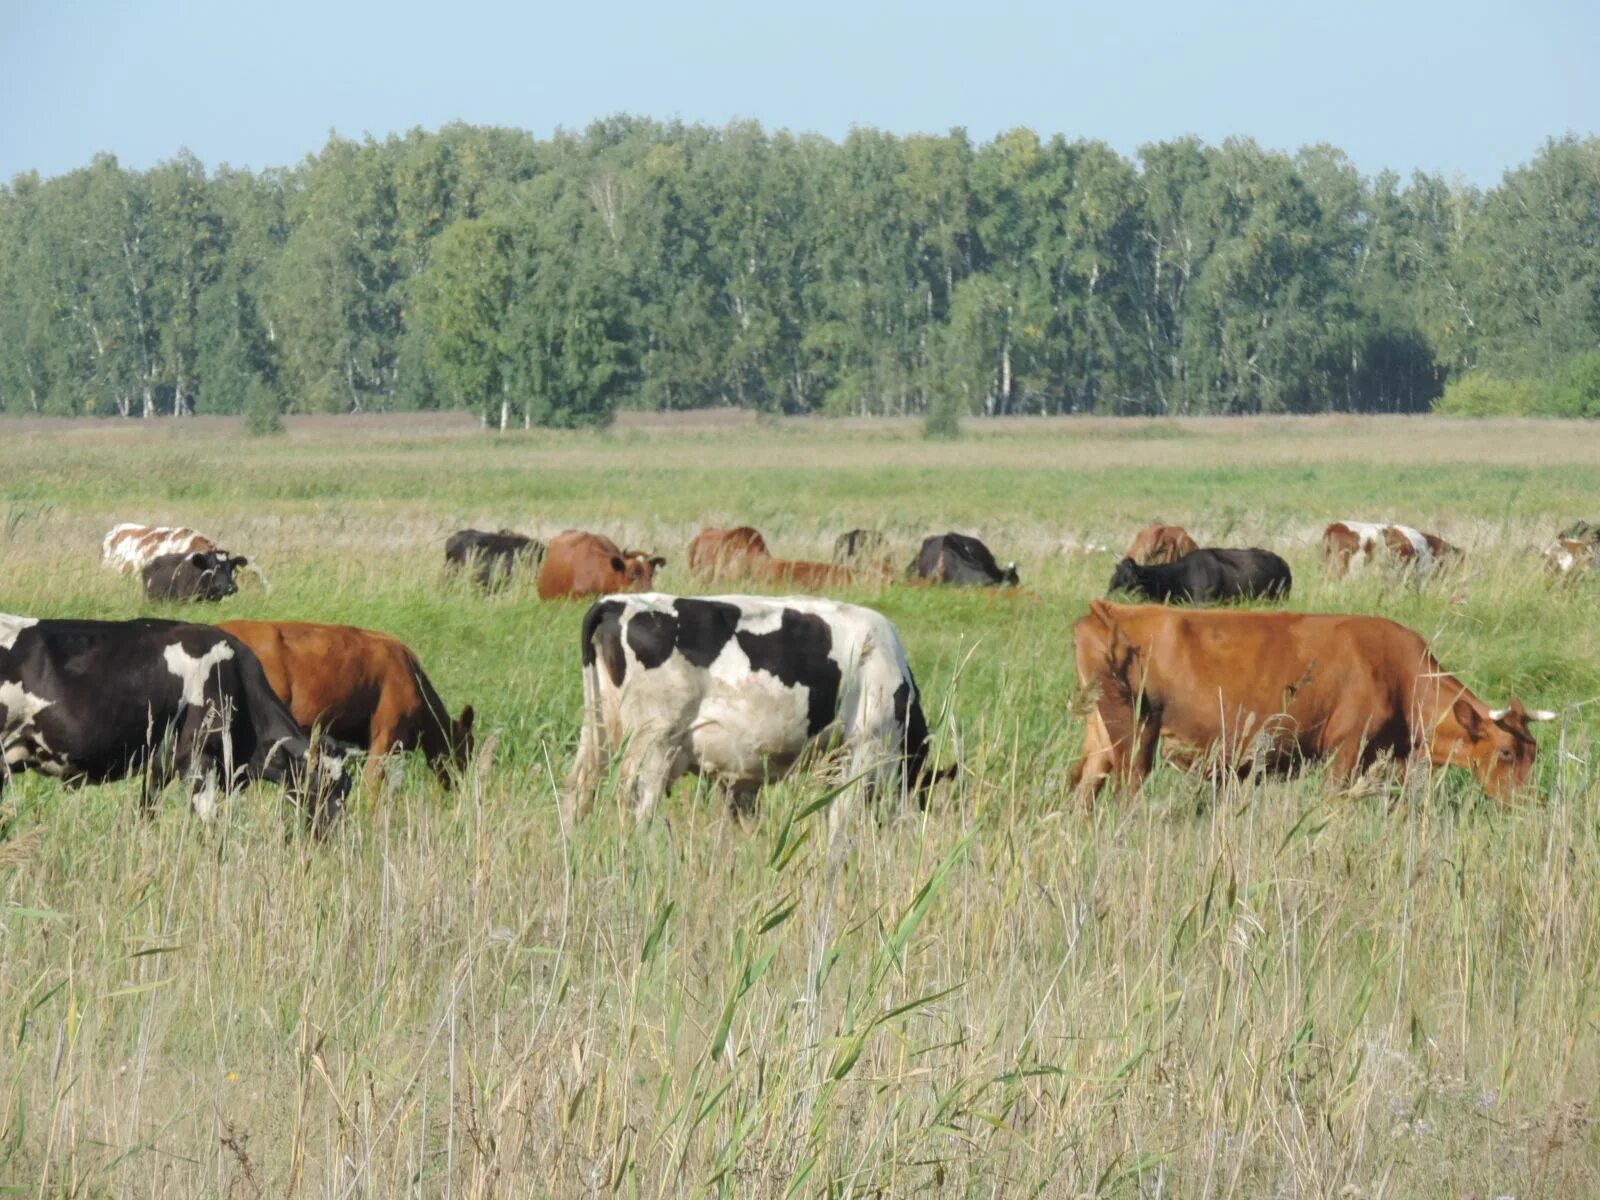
[[653, 265]]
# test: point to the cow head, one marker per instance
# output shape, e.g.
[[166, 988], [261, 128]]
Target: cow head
[[1126, 578], [213, 575], [461, 739], [1008, 576], [638, 570], [1497, 746]]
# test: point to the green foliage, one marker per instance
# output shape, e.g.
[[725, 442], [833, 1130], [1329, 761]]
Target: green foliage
[[263, 411], [666, 266], [1482, 395], [1575, 390]]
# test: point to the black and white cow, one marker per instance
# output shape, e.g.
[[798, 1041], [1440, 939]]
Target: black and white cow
[[1206, 576], [961, 560], [741, 689], [97, 701], [492, 556], [206, 575]]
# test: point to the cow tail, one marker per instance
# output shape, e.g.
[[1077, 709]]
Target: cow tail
[[589, 764]]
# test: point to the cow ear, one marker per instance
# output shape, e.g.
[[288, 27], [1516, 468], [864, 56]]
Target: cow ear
[[198, 562], [239, 561], [465, 720], [658, 562], [1467, 717], [618, 565]]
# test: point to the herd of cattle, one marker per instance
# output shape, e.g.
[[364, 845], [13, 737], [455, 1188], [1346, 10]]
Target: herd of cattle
[[744, 689]]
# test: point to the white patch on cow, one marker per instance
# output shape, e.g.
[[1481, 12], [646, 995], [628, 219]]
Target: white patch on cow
[[11, 628], [195, 671], [21, 707]]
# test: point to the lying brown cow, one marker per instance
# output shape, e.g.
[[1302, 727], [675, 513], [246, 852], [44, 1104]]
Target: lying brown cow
[[728, 553], [360, 687], [1271, 690], [1347, 543], [1156, 545], [586, 564]]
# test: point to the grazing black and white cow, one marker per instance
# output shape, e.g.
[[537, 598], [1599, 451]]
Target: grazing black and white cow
[[492, 556], [208, 575], [97, 701], [961, 560], [741, 689], [1206, 577]]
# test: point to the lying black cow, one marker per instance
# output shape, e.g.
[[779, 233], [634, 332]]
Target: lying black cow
[[98, 701], [207, 575], [961, 560], [492, 556], [1207, 577]]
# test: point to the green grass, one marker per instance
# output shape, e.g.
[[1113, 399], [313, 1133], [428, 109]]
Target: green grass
[[1285, 988]]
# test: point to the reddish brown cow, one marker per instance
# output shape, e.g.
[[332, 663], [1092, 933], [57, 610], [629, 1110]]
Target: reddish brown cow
[[813, 576], [728, 553], [361, 687], [1271, 690], [587, 564], [1158, 544]]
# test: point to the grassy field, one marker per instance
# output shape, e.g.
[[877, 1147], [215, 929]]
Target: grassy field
[[1285, 989]]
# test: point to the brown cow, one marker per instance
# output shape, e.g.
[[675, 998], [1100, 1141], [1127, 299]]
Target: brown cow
[[1157, 544], [1346, 543], [361, 687], [587, 564], [1271, 690], [728, 553], [814, 576]]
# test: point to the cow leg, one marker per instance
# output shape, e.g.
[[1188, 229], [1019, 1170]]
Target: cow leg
[[380, 744], [1097, 761], [588, 768], [742, 799], [649, 776]]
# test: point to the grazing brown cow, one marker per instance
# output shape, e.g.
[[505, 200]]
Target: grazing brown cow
[[1571, 556], [1158, 544], [1270, 690], [1347, 543], [813, 576], [361, 687], [587, 564], [728, 553]]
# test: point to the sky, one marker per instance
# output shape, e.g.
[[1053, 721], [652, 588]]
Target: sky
[[1466, 88]]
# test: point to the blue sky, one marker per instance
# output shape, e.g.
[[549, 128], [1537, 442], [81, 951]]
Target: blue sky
[[1463, 87]]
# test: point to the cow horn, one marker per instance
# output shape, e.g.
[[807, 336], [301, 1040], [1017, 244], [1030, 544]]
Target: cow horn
[[1542, 714]]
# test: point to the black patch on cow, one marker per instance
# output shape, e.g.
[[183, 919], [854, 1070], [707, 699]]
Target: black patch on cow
[[603, 622], [796, 654], [704, 628], [652, 634]]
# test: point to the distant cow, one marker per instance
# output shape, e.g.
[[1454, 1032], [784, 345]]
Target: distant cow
[[961, 560], [129, 548], [493, 557], [1269, 690], [861, 549], [587, 564], [1207, 577], [728, 553], [208, 575], [808, 576], [1351, 543], [98, 701], [1156, 544], [1569, 556], [742, 689], [361, 687]]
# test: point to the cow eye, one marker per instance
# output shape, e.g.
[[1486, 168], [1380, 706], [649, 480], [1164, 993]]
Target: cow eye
[[1506, 754]]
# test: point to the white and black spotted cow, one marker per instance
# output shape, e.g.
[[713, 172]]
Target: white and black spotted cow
[[97, 701], [740, 689]]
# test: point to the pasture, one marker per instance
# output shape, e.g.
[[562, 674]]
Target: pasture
[[1280, 988]]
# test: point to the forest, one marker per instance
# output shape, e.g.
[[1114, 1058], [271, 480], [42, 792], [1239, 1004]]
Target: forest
[[659, 265]]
